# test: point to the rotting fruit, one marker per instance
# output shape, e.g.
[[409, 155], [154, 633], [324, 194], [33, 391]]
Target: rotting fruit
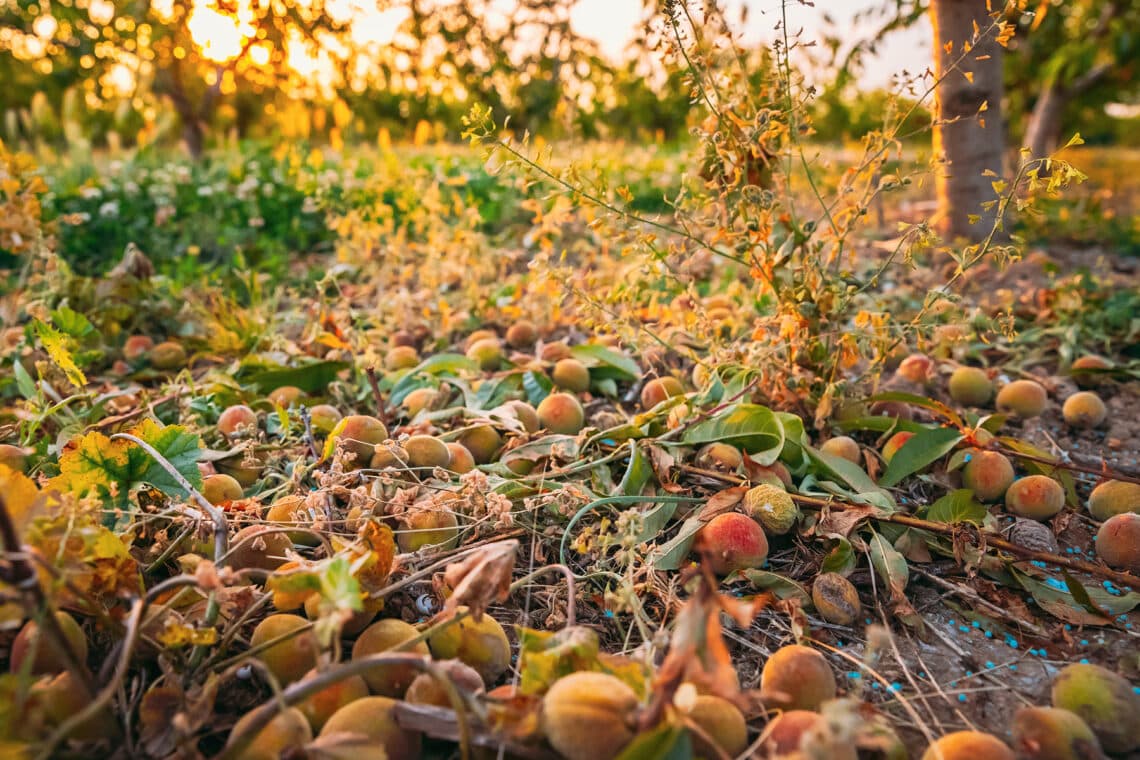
[[732, 541], [482, 645], [836, 599], [561, 413], [359, 434], [1114, 497], [375, 718], [970, 386], [782, 736], [1104, 701], [589, 716], [428, 527], [1022, 398], [1118, 542], [1084, 409], [658, 389], [1050, 733], [383, 636], [968, 745], [843, 446], [988, 474], [772, 507], [1037, 497], [796, 677], [291, 658]]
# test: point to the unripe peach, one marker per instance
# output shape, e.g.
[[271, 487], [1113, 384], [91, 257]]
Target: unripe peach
[[483, 441], [47, 658], [589, 716], [784, 734], [321, 706], [732, 541], [561, 413], [1037, 497], [219, 489], [970, 386], [482, 645], [291, 658], [477, 336], [401, 357], [285, 396], [1114, 497], [287, 732], [359, 434], [426, 452], [487, 353], [526, 414], [1022, 398], [658, 389], [382, 636], [988, 474], [429, 527], [1080, 370], [722, 722], [375, 718], [258, 546], [1050, 733], [1118, 542], [571, 375], [167, 355], [419, 399], [246, 469], [796, 677], [720, 456], [968, 745], [836, 599], [1104, 701], [843, 446], [894, 443], [1084, 409], [461, 460], [522, 334], [136, 347], [324, 417], [236, 420]]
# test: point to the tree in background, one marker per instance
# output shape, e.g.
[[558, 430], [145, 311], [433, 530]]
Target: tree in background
[[1071, 56]]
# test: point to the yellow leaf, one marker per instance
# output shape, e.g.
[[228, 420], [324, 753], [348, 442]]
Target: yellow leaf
[[20, 496], [969, 76]]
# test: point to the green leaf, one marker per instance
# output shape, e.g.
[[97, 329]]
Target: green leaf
[[637, 473], [795, 438], [841, 559], [1076, 604], [311, 378], [669, 741], [24, 382], [937, 407], [852, 475], [783, 588], [671, 554], [605, 362], [890, 565], [71, 322], [918, 452], [563, 447], [750, 427], [957, 507], [180, 448], [879, 425], [537, 386]]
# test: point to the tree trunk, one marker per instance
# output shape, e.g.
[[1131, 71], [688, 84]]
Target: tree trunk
[[1043, 135], [967, 141]]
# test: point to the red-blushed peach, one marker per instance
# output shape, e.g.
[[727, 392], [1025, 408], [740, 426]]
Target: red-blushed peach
[[1118, 542], [658, 389], [968, 745], [561, 413], [236, 420], [732, 541], [988, 474], [1037, 497], [843, 446], [796, 677]]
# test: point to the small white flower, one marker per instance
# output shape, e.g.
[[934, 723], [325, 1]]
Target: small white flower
[[256, 221], [109, 209], [309, 205], [88, 193], [205, 191]]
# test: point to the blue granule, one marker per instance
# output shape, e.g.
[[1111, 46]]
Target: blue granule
[[962, 697], [854, 675], [1056, 584], [990, 665], [896, 687]]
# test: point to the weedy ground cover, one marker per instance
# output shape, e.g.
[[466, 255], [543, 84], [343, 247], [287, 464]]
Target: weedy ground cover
[[655, 451]]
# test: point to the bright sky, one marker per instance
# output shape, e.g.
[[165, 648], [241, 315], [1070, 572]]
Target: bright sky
[[612, 22]]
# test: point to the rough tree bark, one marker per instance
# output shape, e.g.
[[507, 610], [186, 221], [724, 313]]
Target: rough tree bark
[[967, 141]]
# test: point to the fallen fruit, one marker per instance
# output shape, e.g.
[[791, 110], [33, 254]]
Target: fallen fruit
[[970, 386], [571, 375], [988, 474], [561, 413], [483, 441], [1118, 542], [1104, 701], [286, 732], [772, 507], [291, 658], [845, 447], [319, 707], [47, 658], [1050, 733], [796, 677], [732, 541], [968, 745], [1084, 409], [482, 645], [658, 389], [220, 488], [1022, 398], [438, 528], [1037, 497], [588, 716], [1114, 497], [375, 719], [836, 599], [382, 636], [358, 434], [237, 420]]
